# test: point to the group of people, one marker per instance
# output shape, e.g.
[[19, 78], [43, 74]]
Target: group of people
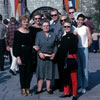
[[44, 46]]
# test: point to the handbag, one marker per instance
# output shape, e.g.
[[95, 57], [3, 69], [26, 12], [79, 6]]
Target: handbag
[[70, 63]]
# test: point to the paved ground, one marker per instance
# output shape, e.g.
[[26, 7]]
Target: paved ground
[[10, 88]]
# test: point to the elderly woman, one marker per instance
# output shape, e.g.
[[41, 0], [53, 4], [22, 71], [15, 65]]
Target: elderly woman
[[46, 68], [22, 49], [67, 50]]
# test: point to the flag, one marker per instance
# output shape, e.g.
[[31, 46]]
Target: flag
[[19, 11], [22, 7], [12, 2], [16, 6], [66, 2], [77, 5], [73, 3]]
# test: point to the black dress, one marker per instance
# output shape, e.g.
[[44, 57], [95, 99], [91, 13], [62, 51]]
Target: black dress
[[22, 47], [34, 31]]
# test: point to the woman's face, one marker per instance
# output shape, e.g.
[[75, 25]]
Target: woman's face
[[25, 23], [67, 27], [37, 19], [80, 21], [45, 27], [62, 19]]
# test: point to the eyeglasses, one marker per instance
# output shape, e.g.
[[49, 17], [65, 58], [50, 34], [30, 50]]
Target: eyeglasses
[[67, 26], [71, 12], [53, 15], [46, 25], [63, 20], [37, 18]]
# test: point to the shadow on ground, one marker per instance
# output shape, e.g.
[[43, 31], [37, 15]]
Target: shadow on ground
[[4, 77], [94, 80]]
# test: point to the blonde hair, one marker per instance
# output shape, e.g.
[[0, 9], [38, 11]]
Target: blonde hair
[[23, 18]]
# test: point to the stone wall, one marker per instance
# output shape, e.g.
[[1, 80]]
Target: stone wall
[[86, 6], [5, 10], [34, 4]]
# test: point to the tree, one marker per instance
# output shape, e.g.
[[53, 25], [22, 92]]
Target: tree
[[96, 14]]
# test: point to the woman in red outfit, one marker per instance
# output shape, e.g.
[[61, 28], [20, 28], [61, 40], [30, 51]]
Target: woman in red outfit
[[68, 49]]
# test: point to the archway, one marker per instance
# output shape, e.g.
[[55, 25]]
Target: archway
[[42, 10]]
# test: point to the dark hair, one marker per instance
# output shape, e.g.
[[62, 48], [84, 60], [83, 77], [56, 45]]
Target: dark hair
[[45, 21], [88, 17], [54, 10], [81, 15], [5, 21], [35, 14], [67, 18], [12, 19], [72, 8], [68, 21], [0, 17]]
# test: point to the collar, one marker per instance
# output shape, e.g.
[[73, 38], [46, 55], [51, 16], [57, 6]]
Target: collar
[[65, 33]]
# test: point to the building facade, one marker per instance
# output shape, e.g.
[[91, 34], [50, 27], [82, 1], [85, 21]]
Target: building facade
[[85, 6]]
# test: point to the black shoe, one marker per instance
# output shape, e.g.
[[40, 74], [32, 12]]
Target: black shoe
[[17, 71], [38, 92], [74, 98], [64, 96], [50, 92], [12, 72]]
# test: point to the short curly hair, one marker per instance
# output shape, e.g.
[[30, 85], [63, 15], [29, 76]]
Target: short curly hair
[[24, 17]]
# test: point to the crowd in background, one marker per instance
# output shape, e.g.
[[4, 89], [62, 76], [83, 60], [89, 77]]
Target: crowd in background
[[44, 45]]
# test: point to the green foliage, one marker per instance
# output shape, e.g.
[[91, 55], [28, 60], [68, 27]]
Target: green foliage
[[96, 14]]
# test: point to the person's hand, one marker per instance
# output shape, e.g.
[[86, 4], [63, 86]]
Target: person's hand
[[41, 55], [8, 48], [19, 61], [36, 48], [58, 45], [75, 33], [52, 56]]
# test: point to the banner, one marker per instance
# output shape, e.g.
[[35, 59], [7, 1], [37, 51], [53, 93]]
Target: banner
[[12, 2], [77, 5], [22, 7], [71, 3], [66, 2], [16, 6], [19, 11]]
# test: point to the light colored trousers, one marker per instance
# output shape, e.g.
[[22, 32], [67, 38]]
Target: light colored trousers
[[14, 65], [82, 67]]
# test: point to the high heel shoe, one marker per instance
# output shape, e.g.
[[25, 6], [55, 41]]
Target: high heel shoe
[[50, 91], [23, 92], [28, 92], [65, 95], [38, 92]]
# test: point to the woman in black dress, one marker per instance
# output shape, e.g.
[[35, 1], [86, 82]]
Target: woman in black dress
[[22, 49], [34, 28]]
